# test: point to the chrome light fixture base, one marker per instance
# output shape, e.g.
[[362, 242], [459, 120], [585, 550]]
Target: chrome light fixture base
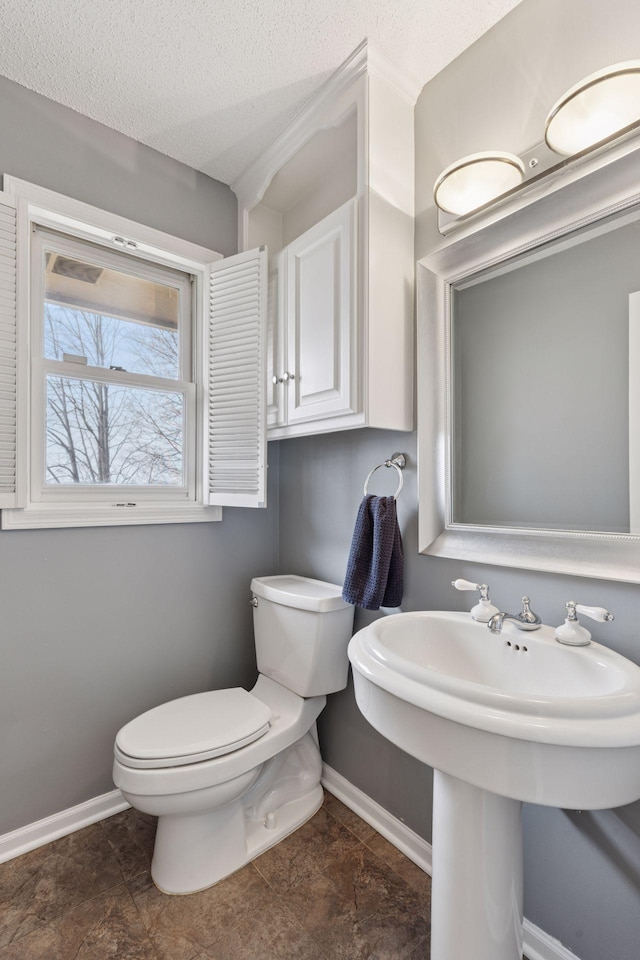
[[542, 164]]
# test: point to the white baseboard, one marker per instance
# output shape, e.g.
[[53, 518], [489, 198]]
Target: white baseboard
[[60, 824], [538, 945]]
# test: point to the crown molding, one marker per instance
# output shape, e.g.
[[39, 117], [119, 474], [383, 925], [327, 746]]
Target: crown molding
[[252, 184], [315, 115], [408, 86]]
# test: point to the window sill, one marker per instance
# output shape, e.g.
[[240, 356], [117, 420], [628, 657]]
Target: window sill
[[36, 516]]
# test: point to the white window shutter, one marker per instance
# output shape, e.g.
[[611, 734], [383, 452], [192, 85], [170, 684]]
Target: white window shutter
[[11, 354], [237, 437]]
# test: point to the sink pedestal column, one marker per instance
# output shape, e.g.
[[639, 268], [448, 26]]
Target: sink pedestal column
[[476, 903]]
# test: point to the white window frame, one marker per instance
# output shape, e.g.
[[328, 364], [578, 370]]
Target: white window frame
[[41, 492], [37, 206]]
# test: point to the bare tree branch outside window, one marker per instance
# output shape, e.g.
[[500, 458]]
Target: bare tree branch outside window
[[111, 433]]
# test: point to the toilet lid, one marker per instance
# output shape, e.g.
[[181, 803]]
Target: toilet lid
[[192, 729]]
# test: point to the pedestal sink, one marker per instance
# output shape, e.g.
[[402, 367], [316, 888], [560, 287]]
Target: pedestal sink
[[502, 718]]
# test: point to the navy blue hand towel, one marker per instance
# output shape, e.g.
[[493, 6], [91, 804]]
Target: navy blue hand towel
[[374, 575]]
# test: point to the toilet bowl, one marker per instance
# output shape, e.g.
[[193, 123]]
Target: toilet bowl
[[229, 773]]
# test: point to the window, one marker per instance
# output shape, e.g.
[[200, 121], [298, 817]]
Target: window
[[142, 399], [112, 390]]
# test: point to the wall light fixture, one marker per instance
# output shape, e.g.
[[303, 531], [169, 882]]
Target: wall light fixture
[[472, 181], [601, 107]]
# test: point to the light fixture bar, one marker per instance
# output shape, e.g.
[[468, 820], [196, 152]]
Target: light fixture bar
[[535, 164], [598, 112]]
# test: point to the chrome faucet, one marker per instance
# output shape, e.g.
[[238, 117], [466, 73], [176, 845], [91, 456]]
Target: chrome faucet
[[525, 620]]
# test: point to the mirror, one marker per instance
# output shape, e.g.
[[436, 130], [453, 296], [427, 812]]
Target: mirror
[[545, 366], [529, 328]]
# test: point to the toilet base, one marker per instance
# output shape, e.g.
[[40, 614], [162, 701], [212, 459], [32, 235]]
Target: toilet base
[[194, 851], [259, 839]]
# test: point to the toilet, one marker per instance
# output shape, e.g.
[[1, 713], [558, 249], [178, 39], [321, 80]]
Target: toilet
[[229, 773]]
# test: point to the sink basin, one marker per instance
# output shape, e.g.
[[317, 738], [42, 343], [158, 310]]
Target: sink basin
[[502, 718], [515, 712]]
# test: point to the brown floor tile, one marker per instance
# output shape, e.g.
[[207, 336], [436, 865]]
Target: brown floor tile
[[337, 837], [308, 851], [404, 867], [390, 937], [354, 887], [333, 890], [131, 836], [106, 928], [359, 908], [183, 927], [270, 932], [346, 816], [42, 885]]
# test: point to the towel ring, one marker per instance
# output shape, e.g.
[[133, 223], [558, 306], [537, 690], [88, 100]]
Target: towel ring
[[398, 461]]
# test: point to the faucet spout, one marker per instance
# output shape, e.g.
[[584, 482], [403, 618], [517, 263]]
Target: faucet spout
[[525, 620]]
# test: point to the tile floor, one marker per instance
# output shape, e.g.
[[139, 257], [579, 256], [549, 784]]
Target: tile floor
[[334, 890]]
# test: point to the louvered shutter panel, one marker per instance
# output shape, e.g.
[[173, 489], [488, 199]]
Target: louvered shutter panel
[[9, 357], [237, 439]]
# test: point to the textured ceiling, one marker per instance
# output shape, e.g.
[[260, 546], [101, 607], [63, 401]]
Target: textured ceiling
[[213, 82]]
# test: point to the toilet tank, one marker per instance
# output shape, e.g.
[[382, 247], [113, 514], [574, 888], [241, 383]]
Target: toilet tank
[[302, 628]]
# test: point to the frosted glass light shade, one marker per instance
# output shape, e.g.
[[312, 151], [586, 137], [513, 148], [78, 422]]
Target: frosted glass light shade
[[596, 108], [472, 181]]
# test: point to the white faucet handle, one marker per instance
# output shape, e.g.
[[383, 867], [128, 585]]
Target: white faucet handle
[[465, 585], [484, 609], [596, 613], [571, 632]]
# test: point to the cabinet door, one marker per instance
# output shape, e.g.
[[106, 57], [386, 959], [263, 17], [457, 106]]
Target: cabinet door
[[321, 319]]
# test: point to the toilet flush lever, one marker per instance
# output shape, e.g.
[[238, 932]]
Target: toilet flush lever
[[254, 601]]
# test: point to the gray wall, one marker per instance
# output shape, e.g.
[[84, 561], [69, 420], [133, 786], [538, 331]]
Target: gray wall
[[65, 151], [100, 624], [582, 881]]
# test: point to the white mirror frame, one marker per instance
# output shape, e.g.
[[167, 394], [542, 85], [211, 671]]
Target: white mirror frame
[[578, 195]]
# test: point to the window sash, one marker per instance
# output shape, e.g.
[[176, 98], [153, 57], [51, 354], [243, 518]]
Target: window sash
[[44, 239], [42, 492]]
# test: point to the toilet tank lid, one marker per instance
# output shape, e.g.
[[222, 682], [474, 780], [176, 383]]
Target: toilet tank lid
[[301, 592]]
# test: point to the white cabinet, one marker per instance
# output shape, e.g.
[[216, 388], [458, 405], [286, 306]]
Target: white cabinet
[[317, 320], [333, 201]]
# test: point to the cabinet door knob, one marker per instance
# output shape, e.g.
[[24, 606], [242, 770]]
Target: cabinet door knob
[[276, 379], [288, 376]]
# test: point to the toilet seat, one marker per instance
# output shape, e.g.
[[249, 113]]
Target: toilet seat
[[192, 729]]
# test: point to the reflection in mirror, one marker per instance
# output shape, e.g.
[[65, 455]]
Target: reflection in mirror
[[545, 376]]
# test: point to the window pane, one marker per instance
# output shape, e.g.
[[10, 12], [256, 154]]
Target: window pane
[[100, 433], [112, 318]]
